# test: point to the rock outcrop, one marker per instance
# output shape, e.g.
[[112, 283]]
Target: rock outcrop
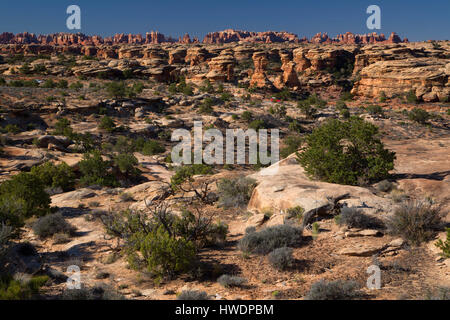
[[259, 78]]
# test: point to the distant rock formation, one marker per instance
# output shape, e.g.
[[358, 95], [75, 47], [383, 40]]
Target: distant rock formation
[[226, 36], [231, 35]]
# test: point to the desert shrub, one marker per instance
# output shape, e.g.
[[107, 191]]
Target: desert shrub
[[419, 115], [206, 106], [10, 128], [346, 96], [247, 116], [20, 289], [295, 126], [52, 224], [281, 258], [444, 245], [162, 242], [292, 143], [152, 147], [76, 85], [127, 163], [382, 98], [28, 191], [226, 96], [333, 290], [306, 108], [415, 221], [62, 84], [99, 292], [126, 197], [295, 212], [106, 123], [116, 89], [346, 152], [283, 95], [374, 109], [271, 238], [207, 87], [384, 186], [235, 192], [2, 82], [228, 281], [193, 295], [186, 172], [55, 176], [165, 255], [355, 218], [95, 171], [62, 128], [411, 97], [257, 125]]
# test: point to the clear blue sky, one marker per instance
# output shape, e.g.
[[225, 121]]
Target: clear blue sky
[[416, 19]]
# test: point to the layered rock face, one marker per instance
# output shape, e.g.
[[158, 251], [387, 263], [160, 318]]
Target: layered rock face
[[222, 67], [427, 78], [422, 68], [259, 78]]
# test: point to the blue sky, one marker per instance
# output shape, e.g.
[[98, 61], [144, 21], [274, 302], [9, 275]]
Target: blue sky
[[415, 19]]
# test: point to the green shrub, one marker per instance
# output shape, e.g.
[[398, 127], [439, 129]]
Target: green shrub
[[415, 221], [295, 126], [29, 190], [382, 97], [49, 84], [2, 82], [247, 116], [152, 147], [235, 192], [55, 176], [306, 108], [164, 255], [11, 128], [281, 258], [419, 115], [206, 106], [375, 109], [126, 163], [269, 239], [226, 96], [62, 128], [95, 171], [21, 289], [444, 245], [228, 281], [106, 123], [295, 212], [76, 86], [116, 89], [346, 96], [186, 172], [411, 97], [346, 152], [257, 125], [333, 290], [52, 224], [193, 295]]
